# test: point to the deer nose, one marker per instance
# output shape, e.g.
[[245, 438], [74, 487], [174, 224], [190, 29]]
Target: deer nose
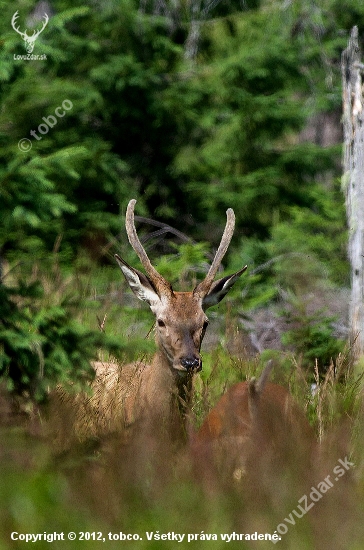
[[191, 363]]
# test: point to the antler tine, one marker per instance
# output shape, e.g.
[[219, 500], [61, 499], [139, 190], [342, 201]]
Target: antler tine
[[14, 22], [36, 32], [161, 285], [44, 24], [203, 288]]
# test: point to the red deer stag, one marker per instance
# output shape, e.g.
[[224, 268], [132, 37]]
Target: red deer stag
[[142, 397]]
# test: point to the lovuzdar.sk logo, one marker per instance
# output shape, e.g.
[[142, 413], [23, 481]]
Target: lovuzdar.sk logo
[[29, 40]]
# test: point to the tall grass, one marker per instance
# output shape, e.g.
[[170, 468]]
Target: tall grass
[[149, 487]]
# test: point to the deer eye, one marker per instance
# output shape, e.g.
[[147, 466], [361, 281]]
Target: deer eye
[[161, 323]]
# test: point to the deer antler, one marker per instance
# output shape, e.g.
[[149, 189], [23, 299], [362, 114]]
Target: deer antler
[[13, 23], [203, 288], [162, 286], [37, 33]]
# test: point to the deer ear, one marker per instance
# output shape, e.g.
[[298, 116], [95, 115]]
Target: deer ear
[[220, 288], [138, 282]]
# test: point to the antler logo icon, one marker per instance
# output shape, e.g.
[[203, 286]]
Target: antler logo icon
[[29, 40]]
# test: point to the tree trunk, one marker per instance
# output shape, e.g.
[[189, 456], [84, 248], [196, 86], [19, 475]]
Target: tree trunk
[[353, 185]]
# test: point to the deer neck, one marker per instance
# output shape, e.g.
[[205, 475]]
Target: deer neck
[[167, 395], [179, 382]]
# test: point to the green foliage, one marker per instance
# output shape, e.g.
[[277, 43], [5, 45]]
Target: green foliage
[[252, 102], [310, 335], [311, 245], [42, 345], [143, 123], [178, 267]]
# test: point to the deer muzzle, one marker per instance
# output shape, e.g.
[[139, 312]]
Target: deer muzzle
[[191, 364]]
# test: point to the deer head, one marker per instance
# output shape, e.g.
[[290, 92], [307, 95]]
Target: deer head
[[29, 40], [181, 320]]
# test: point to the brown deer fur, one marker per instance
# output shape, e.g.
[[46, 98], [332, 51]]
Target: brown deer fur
[[256, 426]]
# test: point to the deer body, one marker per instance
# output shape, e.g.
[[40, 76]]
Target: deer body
[[144, 398], [129, 399], [255, 426]]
